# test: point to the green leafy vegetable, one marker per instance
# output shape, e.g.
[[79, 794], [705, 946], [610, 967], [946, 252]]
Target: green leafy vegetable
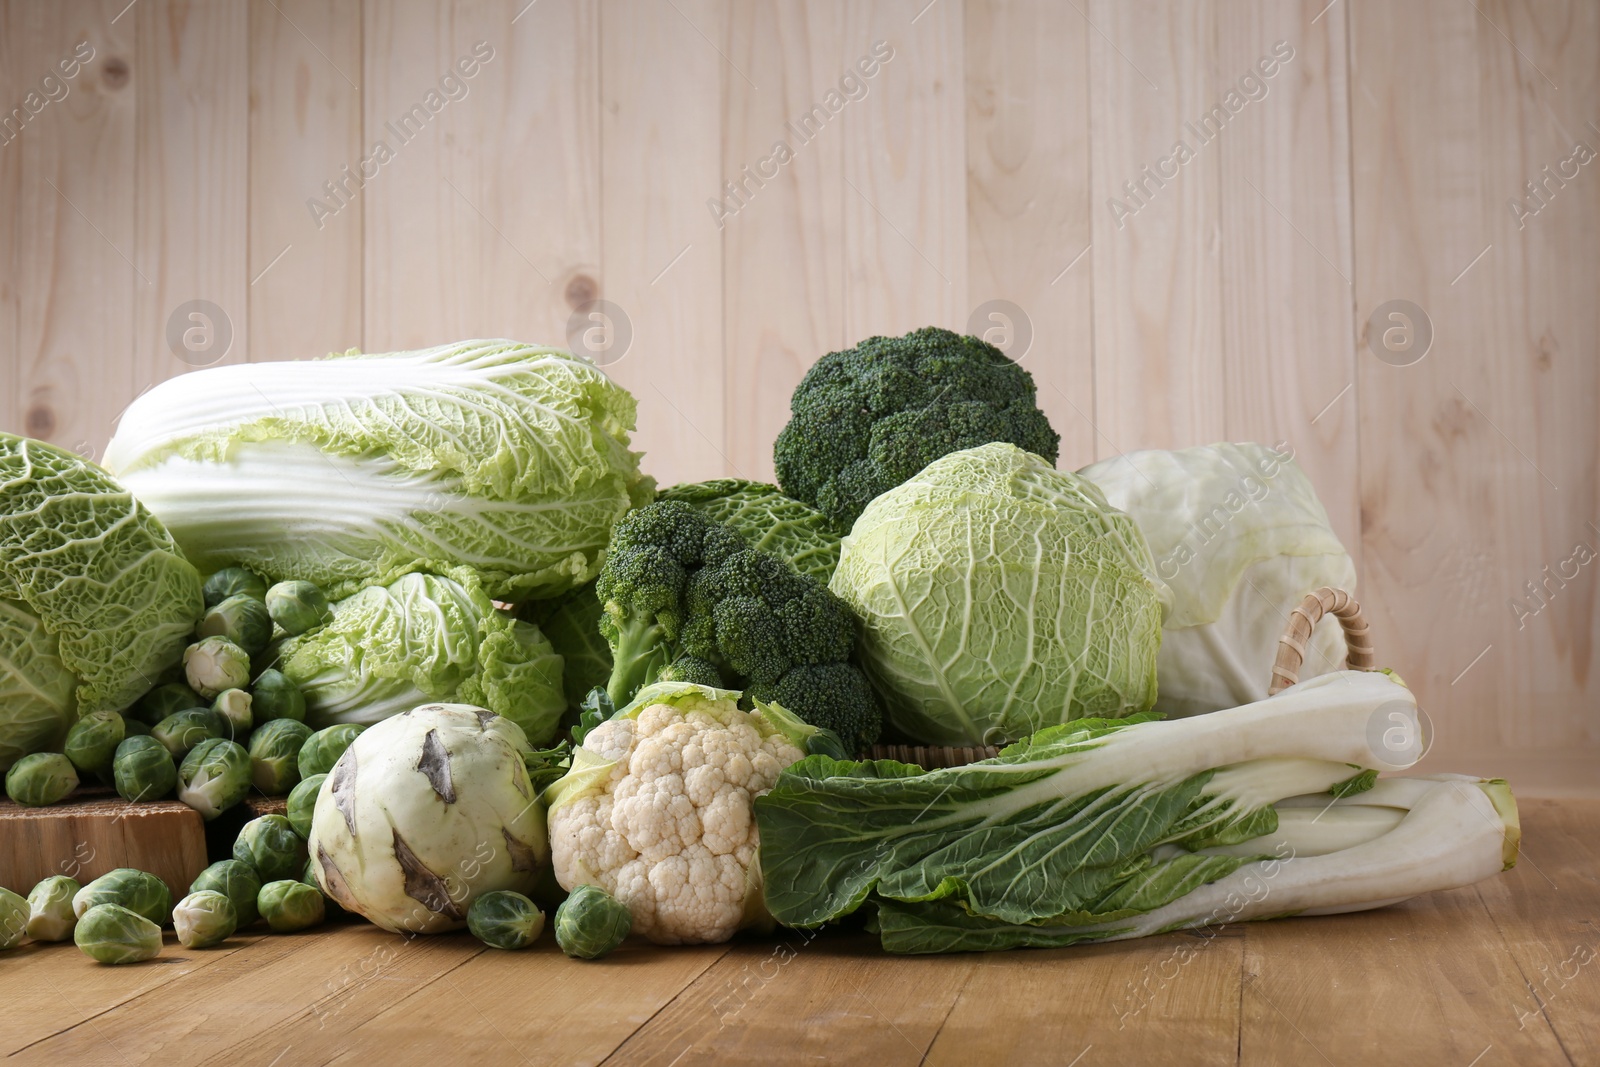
[[687, 599], [999, 596], [41, 779], [96, 602], [487, 461], [571, 623], [869, 417], [1097, 825], [424, 638], [768, 519], [110, 933], [591, 923]]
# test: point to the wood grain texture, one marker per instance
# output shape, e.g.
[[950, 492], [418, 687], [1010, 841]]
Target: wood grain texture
[[1479, 463], [192, 187], [662, 254], [782, 222], [84, 839], [1159, 368], [1507, 966], [71, 368], [1028, 202], [480, 244], [1284, 189], [905, 195], [305, 128]]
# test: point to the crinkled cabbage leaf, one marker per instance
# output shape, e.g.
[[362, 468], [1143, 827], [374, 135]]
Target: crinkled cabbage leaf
[[96, 601], [424, 638], [999, 596], [487, 461]]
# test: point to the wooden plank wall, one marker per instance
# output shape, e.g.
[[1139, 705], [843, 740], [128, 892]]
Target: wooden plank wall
[[997, 151]]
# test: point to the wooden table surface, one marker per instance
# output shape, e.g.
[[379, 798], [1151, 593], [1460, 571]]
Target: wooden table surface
[[1500, 973]]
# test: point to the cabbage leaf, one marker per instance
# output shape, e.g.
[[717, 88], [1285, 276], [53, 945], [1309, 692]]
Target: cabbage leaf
[[999, 596], [96, 601], [486, 461], [424, 638]]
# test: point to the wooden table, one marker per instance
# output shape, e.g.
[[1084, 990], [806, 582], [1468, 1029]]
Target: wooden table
[[1499, 973]]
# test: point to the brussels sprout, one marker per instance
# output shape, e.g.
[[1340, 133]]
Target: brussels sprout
[[242, 620], [232, 582], [40, 779], [143, 769], [186, 729], [166, 700], [215, 776], [274, 756], [142, 893], [202, 919], [275, 697], [323, 748], [92, 743], [303, 804], [270, 845], [136, 727], [591, 922], [298, 607], [234, 705], [111, 933], [289, 905], [50, 914], [13, 920], [503, 919], [215, 664], [235, 880]]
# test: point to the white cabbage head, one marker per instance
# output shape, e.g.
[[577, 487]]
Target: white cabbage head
[[1239, 538], [491, 461], [96, 601], [999, 596]]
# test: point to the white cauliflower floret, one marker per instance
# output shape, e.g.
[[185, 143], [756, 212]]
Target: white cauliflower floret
[[670, 831]]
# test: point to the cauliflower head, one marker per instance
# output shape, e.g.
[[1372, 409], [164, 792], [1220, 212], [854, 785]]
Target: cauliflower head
[[658, 810]]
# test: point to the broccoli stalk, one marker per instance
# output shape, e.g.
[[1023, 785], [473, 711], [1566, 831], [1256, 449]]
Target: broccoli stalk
[[686, 598]]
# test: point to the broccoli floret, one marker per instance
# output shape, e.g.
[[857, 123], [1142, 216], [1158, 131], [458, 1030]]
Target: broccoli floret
[[870, 417], [686, 598]]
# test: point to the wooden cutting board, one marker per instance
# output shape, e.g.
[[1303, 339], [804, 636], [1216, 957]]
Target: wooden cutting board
[[97, 831]]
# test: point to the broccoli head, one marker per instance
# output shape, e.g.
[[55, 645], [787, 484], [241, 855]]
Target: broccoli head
[[868, 418], [686, 598]]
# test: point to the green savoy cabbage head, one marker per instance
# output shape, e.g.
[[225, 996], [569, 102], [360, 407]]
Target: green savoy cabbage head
[[95, 599], [999, 596], [487, 461], [424, 638]]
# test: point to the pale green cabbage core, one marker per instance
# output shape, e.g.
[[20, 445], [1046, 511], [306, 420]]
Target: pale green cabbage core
[[999, 596], [486, 460]]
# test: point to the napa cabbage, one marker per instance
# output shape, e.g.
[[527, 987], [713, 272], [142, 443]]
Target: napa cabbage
[[491, 462], [998, 596], [96, 601], [421, 639]]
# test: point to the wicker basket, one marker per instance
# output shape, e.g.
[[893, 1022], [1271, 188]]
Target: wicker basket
[[1285, 672]]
